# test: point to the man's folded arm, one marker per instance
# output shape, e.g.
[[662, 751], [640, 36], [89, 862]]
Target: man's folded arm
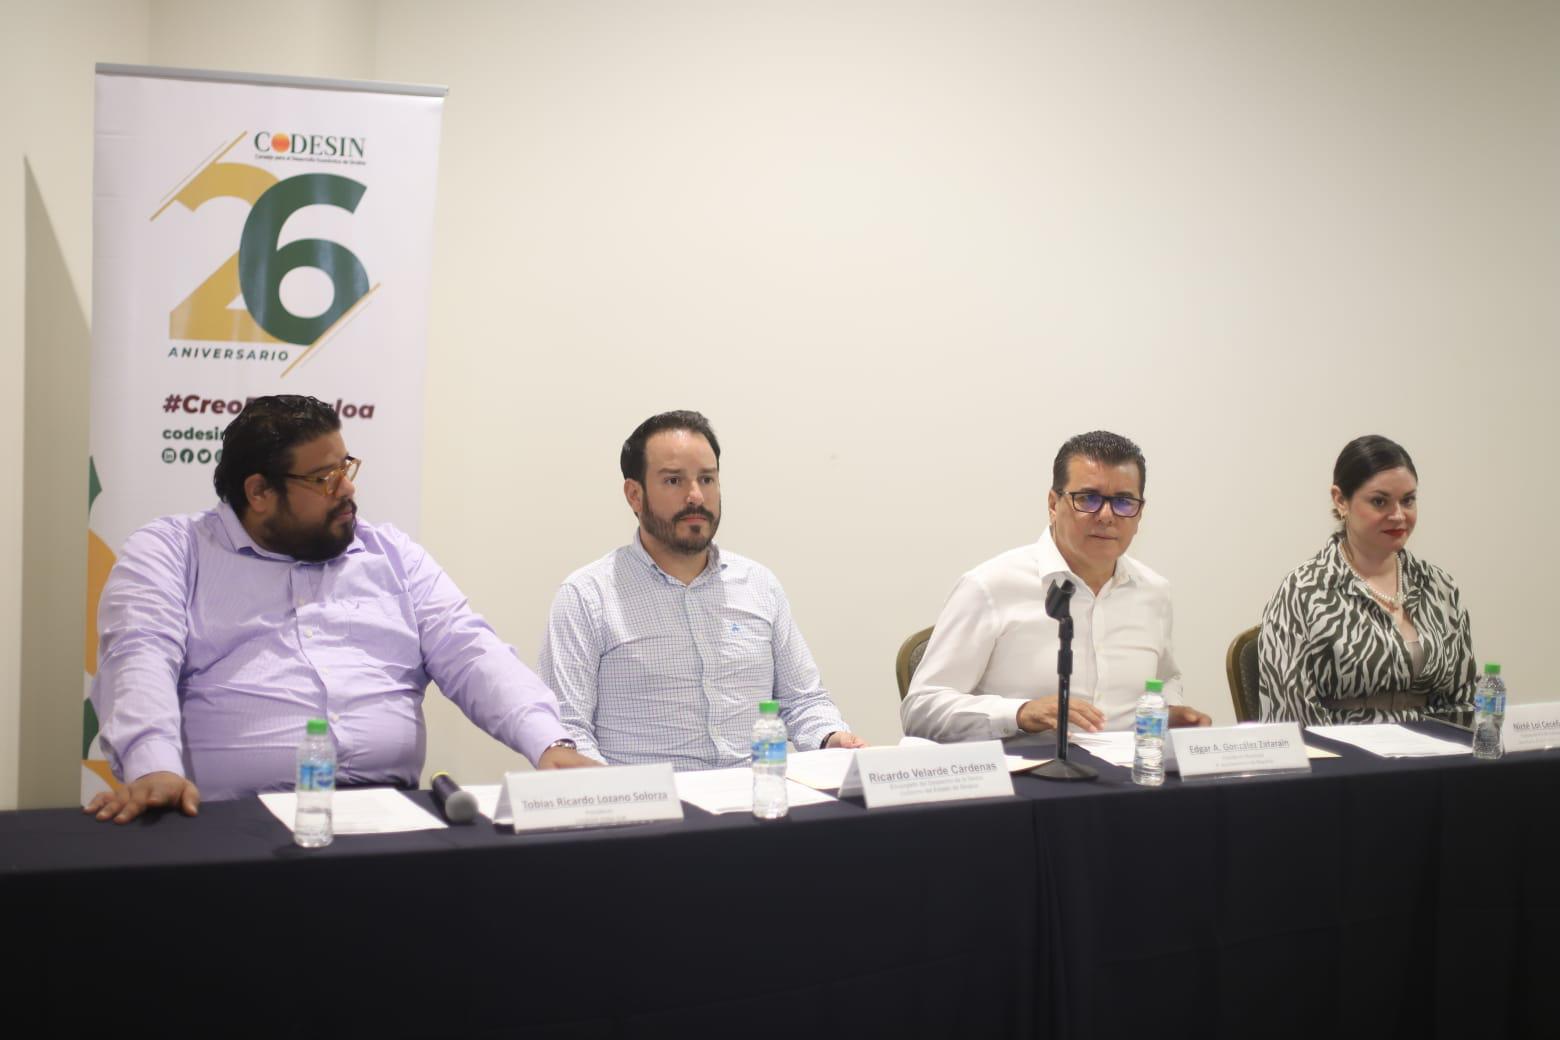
[[143, 624], [569, 664], [1169, 671], [939, 705], [810, 715], [475, 669]]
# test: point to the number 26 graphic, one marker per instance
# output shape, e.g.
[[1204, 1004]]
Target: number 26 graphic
[[256, 270]]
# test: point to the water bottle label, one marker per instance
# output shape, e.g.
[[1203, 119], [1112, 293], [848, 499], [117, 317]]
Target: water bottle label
[[1151, 727], [316, 776], [770, 751], [1489, 702]]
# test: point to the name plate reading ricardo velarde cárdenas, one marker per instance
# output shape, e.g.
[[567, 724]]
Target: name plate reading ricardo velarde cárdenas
[[928, 773], [1531, 727], [1274, 747], [554, 799]]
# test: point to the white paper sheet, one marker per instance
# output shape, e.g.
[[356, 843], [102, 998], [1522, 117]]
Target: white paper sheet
[[821, 770], [1390, 740], [1114, 747], [369, 810], [731, 790]]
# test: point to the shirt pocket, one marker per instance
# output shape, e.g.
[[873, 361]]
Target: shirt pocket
[[384, 630], [1130, 654], [747, 656], [1138, 636]]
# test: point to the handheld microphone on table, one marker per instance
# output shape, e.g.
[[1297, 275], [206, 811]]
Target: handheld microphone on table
[[459, 806], [1058, 605]]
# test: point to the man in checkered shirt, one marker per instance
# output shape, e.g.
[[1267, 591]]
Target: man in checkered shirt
[[661, 650]]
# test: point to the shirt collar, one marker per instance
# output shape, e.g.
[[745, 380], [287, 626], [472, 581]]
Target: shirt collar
[[1343, 574], [1337, 563], [713, 565], [240, 542], [1054, 567]]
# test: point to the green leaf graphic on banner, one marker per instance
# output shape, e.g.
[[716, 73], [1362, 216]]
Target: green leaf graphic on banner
[[262, 266], [89, 719], [89, 727]]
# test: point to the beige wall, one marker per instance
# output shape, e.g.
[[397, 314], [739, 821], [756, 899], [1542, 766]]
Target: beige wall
[[897, 252], [46, 56]]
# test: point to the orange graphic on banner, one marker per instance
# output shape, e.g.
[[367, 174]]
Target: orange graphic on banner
[[100, 560], [100, 768]]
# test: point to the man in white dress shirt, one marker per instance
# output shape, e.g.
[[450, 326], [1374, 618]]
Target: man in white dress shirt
[[990, 669]]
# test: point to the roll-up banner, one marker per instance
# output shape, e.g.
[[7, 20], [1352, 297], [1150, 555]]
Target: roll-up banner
[[251, 235]]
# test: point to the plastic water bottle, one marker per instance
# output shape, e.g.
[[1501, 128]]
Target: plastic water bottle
[[1148, 735], [1489, 713], [313, 827], [769, 763]]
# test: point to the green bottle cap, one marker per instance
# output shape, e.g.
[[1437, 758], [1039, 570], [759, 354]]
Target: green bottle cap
[[318, 728], [1154, 686], [769, 707], [1492, 668]]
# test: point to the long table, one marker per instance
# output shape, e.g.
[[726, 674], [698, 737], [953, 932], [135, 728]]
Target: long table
[[1373, 897]]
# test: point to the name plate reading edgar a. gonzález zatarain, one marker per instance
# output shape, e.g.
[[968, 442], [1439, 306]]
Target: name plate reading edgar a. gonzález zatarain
[[557, 799], [1249, 750], [928, 773]]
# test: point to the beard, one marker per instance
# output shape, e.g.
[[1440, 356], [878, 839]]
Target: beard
[[284, 533], [665, 531]]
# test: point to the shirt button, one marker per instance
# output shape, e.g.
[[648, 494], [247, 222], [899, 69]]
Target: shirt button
[[335, 716]]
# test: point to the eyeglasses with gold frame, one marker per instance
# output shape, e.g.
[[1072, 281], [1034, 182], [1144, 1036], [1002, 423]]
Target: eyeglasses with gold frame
[[329, 483]]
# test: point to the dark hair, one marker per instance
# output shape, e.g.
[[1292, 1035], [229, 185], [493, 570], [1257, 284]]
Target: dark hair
[[261, 440], [1110, 449], [632, 459], [1364, 457]]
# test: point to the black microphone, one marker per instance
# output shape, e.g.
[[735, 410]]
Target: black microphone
[[459, 806], [1058, 606], [1058, 599]]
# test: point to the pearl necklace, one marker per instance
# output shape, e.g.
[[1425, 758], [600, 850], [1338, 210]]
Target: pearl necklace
[[1392, 603]]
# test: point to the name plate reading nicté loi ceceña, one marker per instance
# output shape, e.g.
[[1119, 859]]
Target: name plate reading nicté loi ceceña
[[928, 773], [555, 799], [1275, 747], [1532, 727]]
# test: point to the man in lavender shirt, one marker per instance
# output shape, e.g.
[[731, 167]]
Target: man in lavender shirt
[[221, 634]]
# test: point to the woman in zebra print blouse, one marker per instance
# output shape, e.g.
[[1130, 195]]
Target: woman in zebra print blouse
[[1364, 631]]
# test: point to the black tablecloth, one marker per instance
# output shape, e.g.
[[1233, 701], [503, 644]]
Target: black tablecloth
[[1372, 897], [918, 921]]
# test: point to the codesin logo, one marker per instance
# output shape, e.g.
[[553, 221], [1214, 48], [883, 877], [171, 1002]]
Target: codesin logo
[[277, 145]]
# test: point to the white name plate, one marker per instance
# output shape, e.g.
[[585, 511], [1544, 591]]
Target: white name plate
[[553, 799], [928, 773], [1272, 747], [1531, 727]]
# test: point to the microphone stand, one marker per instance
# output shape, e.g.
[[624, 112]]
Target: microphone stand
[[1058, 605]]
